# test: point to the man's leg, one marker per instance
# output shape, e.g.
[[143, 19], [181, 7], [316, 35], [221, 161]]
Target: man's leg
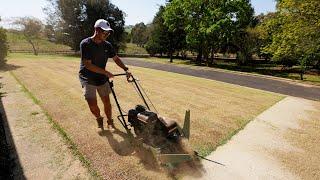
[[91, 98], [107, 107], [93, 105], [104, 92]]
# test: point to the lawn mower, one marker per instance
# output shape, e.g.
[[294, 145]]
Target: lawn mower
[[162, 136]]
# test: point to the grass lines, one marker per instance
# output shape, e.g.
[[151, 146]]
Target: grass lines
[[61, 131], [218, 110]]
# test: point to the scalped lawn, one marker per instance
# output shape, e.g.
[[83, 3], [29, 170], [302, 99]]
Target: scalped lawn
[[218, 110]]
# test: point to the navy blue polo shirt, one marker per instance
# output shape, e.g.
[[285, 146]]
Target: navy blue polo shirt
[[98, 54]]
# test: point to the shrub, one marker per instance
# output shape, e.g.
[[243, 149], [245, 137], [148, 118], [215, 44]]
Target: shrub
[[3, 46]]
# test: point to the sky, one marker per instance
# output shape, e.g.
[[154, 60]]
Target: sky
[[136, 10]]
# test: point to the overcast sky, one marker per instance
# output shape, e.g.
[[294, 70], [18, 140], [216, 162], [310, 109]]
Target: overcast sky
[[136, 10]]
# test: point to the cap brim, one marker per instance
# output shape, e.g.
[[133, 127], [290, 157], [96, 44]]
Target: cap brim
[[107, 29]]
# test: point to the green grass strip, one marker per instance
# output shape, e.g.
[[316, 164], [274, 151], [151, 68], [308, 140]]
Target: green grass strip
[[75, 151]]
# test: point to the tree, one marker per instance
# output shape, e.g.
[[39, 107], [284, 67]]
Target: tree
[[264, 30], [297, 38], [209, 24], [31, 28], [77, 18], [139, 34], [3, 45], [163, 40]]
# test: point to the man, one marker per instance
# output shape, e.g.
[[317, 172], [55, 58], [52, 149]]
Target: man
[[95, 51]]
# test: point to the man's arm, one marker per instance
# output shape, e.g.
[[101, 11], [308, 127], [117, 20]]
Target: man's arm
[[88, 64], [118, 61]]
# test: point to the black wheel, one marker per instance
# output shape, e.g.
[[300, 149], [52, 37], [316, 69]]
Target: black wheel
[[174, 136], [137, 130]]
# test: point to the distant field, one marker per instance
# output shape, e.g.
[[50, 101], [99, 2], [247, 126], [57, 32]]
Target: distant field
[[134, 49], [18, 42]]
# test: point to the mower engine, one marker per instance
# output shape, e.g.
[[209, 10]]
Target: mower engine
[[147, 123]]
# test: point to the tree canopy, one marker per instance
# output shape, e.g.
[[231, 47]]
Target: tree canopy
[[77, 18], [163, 40], [210, 25], [139, 34], [294, 32]]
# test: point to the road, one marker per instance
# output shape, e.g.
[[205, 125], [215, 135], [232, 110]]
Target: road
[[257, 82]]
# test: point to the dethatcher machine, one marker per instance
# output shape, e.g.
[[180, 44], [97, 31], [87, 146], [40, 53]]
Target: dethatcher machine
[[162, 136]]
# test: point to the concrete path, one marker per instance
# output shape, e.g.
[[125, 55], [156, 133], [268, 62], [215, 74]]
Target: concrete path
[[282, 86], [36, 150], [259, 151]]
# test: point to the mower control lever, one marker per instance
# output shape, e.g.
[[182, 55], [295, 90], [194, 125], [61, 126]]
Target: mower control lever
[[129, 79]]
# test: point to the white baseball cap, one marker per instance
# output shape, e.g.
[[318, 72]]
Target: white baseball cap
[[103, 24]]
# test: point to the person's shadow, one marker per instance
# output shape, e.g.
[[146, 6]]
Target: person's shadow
[[125, 144]]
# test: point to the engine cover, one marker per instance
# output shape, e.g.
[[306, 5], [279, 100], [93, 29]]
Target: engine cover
[[149, 123]]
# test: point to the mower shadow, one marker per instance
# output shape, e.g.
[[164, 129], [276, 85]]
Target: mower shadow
[[130, 146], [127, 147]]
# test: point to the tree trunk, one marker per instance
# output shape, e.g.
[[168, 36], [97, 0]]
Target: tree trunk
[[210, 60], [301, 75], [199, 56], [35, 52], [212, 56]]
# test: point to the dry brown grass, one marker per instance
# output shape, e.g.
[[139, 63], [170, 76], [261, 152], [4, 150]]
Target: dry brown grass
[[217, 110]]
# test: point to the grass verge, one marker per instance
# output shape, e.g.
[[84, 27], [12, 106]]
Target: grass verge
[[71, 145]]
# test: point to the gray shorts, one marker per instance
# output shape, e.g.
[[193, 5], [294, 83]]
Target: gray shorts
[[89, 91]]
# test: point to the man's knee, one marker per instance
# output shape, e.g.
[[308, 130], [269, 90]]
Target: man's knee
[[106, 100], [93, 105]]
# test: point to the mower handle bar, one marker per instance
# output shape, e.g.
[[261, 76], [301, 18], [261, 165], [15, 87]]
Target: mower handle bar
[[122, 74]]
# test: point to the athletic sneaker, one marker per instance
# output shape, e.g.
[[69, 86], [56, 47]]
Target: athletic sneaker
[[100, 122]]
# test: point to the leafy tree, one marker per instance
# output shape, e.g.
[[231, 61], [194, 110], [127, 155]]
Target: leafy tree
[[297, 38], [77, 18], [139, 34], [210, 25], [243, 37], [264, 30], [31, 28], [163, 40], [3, 45]]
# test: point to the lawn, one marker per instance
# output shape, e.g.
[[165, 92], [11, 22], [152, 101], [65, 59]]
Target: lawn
[[218, 110]]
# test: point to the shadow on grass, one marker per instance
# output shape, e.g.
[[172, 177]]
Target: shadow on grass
[[10, 167], [132, 146], [8, 67]]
